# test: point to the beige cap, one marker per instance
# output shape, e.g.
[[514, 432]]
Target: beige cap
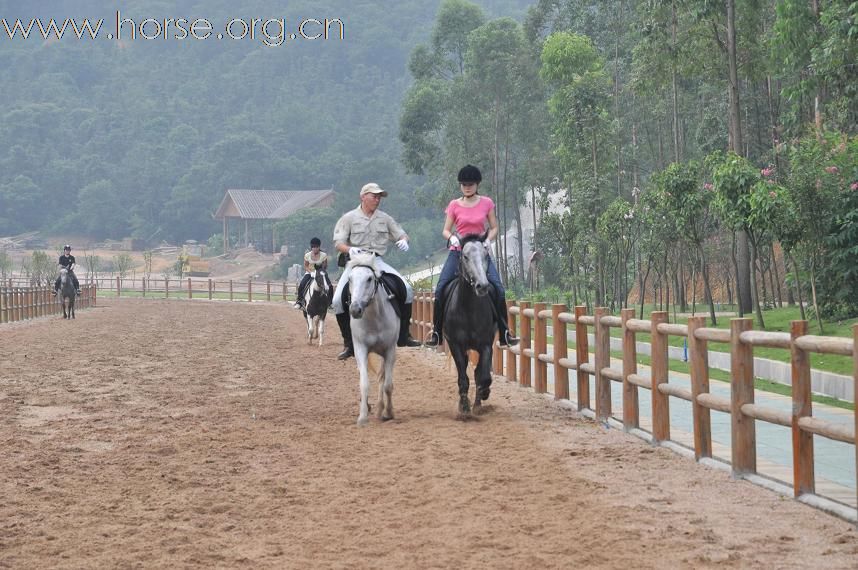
[[372, 188]]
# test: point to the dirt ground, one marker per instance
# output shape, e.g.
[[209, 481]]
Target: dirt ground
[[195, 434]]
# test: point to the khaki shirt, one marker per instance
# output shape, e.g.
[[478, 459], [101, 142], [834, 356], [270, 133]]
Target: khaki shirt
[[356, 229]]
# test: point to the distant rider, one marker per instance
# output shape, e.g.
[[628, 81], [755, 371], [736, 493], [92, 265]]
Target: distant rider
[[67, 260], [313, 260]]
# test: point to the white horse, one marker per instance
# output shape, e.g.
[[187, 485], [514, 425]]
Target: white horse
[[317, 299], [375, 328]]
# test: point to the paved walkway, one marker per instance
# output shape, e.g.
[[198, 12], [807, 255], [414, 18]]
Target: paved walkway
[[834, 460]]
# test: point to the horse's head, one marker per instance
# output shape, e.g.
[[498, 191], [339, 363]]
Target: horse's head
[[64, 272], [363, 283], [318, 283], [475, 263]]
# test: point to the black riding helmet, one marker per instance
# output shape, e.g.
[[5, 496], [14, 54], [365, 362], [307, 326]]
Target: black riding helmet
[[315, 242], [470, 174], [66, 247]]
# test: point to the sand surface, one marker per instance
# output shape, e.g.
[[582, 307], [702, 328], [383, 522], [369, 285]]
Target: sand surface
[[195, 434]]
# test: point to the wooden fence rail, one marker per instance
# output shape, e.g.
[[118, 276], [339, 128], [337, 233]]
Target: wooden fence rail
[[25, 303], [743, 410], [187, 287]]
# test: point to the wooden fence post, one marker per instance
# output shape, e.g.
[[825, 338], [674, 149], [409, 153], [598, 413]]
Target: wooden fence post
[[631, 406], [744, 436], [558, 332], [540, 346], [603, 360], [167, 287], [250, 290], [582, 356], [284, 290], [511, 368], [698, 356], [802, 406], [210, 289], [658, 374], [525, 376], [230, 289], [190, 291], [118, 287]]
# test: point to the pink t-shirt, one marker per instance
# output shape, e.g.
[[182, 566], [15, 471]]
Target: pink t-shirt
[[472, 220]]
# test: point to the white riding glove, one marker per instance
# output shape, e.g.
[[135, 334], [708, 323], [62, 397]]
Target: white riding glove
[[454, 241], [402, 244], [355, 251]]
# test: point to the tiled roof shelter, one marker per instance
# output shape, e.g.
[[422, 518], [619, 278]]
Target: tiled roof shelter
[[261, 205]]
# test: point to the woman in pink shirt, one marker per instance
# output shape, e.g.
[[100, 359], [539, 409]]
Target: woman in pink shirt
[[470, 214]]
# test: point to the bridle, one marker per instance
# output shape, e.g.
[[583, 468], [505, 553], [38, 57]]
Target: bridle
[[375, 280], [463, 275]]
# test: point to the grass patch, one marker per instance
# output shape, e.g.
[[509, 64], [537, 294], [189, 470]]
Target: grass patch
[[776, 320], [759, 383]]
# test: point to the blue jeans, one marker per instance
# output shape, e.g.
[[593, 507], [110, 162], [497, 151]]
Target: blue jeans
[[451, 270]]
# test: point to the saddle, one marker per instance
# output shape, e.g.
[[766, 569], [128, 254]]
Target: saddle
[[392, 286]]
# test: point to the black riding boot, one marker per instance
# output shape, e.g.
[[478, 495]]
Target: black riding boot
[[344, 321], [438, 322], [504, 336], [405, 338]]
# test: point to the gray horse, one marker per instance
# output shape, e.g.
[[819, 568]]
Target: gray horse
[[67, 293], [469, 322], [375, 328]]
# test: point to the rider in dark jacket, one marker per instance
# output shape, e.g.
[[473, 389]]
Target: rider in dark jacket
[[67, 260]]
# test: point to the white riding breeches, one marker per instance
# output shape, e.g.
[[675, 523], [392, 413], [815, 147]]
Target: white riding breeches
[[381, 266]]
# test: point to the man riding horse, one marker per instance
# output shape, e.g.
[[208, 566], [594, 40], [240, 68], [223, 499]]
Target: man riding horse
[[368, 229], [67, 260]]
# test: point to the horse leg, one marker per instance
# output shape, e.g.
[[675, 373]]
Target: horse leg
[[483, 377], [321, 327], [389, 362], [361, 356], [460, 357], [72, 308]]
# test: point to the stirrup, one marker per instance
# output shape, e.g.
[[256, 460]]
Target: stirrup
[[410, 342], [508, 340], [433, 339], [347, 353]]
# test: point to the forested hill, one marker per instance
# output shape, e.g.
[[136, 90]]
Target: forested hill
[[115, 138]]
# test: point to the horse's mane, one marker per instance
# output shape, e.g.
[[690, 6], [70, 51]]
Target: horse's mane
[[364, 260], [473, 237]]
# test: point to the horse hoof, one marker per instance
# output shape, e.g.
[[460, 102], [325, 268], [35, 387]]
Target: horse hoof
[[362, 422], [386, 418], [485, 393]]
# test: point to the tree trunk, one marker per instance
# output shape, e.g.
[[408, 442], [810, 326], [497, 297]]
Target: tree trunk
[[813, 292], [754, 292], [798, 287], [676, 155], [777, 276]]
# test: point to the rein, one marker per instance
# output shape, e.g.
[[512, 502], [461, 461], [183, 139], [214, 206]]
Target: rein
[[375, 279]]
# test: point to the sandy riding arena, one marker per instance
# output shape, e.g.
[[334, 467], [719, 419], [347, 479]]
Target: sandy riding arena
[[194, 434]]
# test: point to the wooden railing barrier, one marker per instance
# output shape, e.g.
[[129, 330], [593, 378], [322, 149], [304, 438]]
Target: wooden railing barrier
[[744, 412]]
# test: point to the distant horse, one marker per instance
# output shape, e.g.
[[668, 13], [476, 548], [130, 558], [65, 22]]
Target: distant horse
[[375, 329], [317, 299], [67, 293], [469, 322]]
